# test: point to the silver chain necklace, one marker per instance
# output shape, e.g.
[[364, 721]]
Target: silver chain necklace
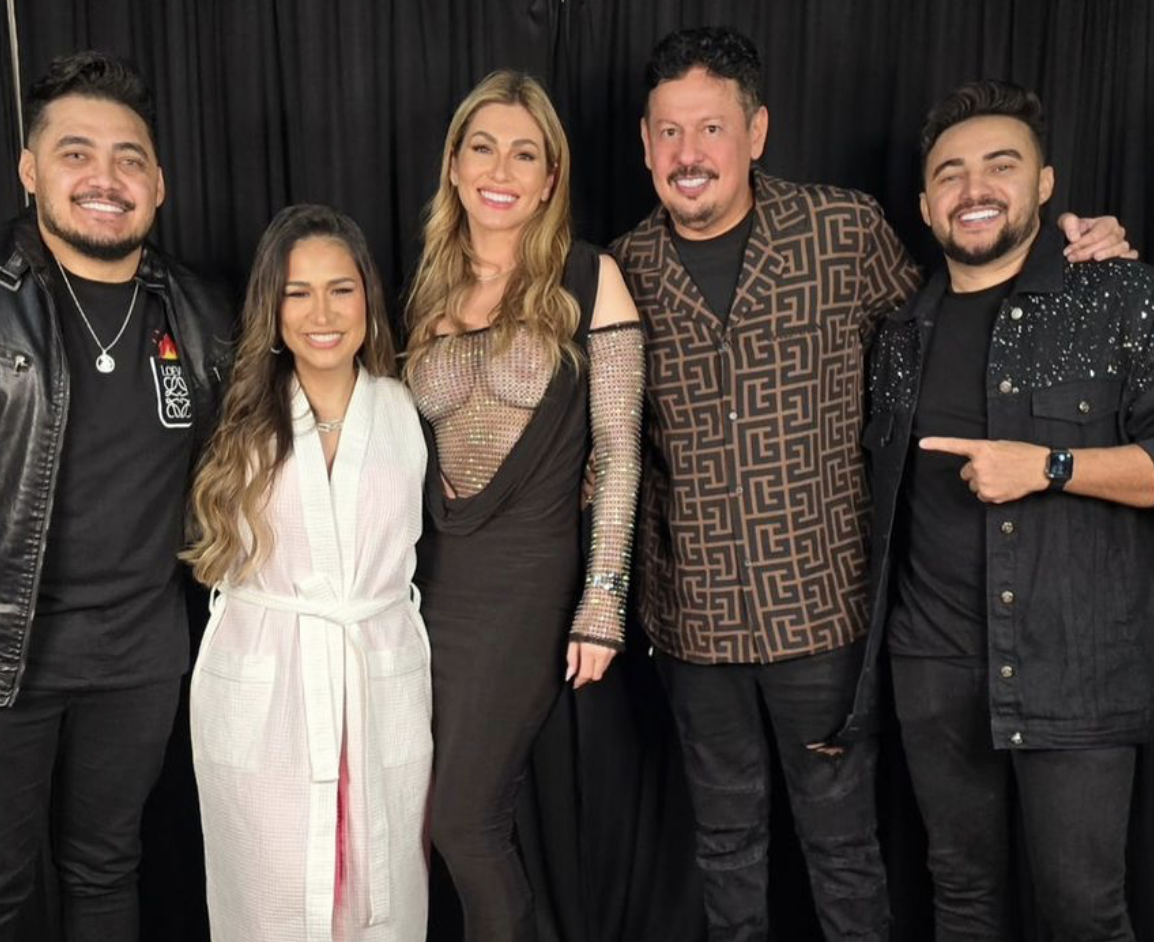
[[332, 425], [104, 362]]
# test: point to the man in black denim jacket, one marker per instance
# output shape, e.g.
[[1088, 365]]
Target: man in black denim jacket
[[1011, 444]]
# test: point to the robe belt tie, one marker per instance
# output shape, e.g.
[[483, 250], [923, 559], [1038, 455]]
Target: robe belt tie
[[318, 606]]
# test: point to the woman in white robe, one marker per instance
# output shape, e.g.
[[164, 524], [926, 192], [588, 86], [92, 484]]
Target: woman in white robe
[[311, 695]]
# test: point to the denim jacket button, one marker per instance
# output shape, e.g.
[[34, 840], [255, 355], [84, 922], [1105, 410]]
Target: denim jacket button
[[1016, 314], [1005, 386], [1007, 671], [1016, 739], [1007, 597]]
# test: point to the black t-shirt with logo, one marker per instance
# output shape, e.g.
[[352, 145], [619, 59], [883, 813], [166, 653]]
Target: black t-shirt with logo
[[111, 609], [941, 574]]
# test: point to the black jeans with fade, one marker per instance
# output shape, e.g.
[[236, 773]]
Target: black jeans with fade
[[87, 760], [720, 712], [1074, 806]]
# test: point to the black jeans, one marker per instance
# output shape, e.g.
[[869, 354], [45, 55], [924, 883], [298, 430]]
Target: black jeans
[[1074, 803], [87, 759], [725, 741]]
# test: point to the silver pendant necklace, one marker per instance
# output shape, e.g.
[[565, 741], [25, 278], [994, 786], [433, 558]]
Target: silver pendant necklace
[[104, 362]]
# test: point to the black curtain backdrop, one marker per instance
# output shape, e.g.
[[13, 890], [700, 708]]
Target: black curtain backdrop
[[267, 102]]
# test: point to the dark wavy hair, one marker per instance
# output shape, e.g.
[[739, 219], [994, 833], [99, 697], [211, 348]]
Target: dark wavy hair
[[719, 50], [90, 74], [255, 434], [980, 99]]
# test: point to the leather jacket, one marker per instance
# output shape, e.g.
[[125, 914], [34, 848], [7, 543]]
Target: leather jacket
[[34, 391]]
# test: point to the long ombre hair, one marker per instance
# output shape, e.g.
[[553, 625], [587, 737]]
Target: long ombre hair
[[534, 298], [255, 433]]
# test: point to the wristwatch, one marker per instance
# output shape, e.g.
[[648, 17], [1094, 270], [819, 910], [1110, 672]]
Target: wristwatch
[[1059, 467]]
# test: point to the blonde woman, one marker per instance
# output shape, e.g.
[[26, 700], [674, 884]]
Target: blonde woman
[[310, 696], [524, 347]]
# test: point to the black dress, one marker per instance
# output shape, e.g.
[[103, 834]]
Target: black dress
[[500, 574]]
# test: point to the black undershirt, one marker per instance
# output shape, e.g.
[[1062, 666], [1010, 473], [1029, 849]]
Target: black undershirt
[[941, 575], [110, 611], [715, 264]]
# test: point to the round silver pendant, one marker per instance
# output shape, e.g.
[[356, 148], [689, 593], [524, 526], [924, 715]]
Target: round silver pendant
[[105, 363]]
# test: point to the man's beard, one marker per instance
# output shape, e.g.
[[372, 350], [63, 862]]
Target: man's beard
[[1008, 239], [701, 215], [700, 218], [103, 250]]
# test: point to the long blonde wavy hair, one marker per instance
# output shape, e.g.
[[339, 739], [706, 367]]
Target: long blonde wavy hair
[[255, 434], [534, 298]]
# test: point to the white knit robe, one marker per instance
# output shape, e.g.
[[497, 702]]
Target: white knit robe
[[324, 644]]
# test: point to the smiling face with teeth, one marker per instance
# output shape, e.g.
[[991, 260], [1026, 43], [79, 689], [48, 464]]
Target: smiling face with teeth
[[984, 186], [699, 146], [322, 311], [92, 167], [501, 169]]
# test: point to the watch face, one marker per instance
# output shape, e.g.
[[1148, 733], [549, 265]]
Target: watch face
[[1060, 466]]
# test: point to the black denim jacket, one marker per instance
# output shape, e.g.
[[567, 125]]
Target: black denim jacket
[[1069, 580]]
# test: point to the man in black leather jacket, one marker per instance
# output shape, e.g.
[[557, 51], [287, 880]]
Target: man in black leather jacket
[[1011, 444], [111, 362]]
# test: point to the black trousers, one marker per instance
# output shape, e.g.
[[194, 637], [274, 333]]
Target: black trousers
[[86, 760], [1074, 806], [718, 710]]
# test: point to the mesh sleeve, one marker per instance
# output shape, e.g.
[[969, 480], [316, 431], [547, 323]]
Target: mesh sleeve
[[616, 390]]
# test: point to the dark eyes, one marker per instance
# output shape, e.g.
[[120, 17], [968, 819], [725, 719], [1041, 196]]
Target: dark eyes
[[526, 155], [339, 290]]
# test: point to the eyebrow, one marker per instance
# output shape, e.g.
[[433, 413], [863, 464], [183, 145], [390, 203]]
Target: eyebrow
[[309, 284], [519, 142], [992, 155], [74, 140]]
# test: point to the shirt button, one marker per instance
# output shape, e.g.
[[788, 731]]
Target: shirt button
[[1005, 386], [733, 415], [1007, 671], [1083, 407], [1016, 314], [738, 491], [747, 562], [1007, 527], [1016, 739], [723, 346], [1008, 597]]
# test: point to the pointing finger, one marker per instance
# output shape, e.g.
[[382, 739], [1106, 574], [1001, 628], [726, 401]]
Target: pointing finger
[[950, 446]]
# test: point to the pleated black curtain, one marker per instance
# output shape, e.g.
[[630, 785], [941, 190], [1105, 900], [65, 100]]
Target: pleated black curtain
[[267, 102]]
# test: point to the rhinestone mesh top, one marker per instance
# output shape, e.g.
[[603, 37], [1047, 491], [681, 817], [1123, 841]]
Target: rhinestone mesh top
[[479, 403]]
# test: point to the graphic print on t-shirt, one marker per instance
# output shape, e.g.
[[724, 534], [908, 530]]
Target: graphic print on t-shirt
[[173, 404]]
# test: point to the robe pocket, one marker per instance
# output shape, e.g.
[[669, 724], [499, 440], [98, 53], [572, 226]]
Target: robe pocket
[[232, 698], [402, 703]]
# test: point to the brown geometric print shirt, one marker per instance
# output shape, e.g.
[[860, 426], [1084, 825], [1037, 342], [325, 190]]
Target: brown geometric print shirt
[[751, 525]]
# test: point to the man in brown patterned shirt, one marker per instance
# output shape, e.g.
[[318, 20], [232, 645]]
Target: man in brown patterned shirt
[[757, 296]]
